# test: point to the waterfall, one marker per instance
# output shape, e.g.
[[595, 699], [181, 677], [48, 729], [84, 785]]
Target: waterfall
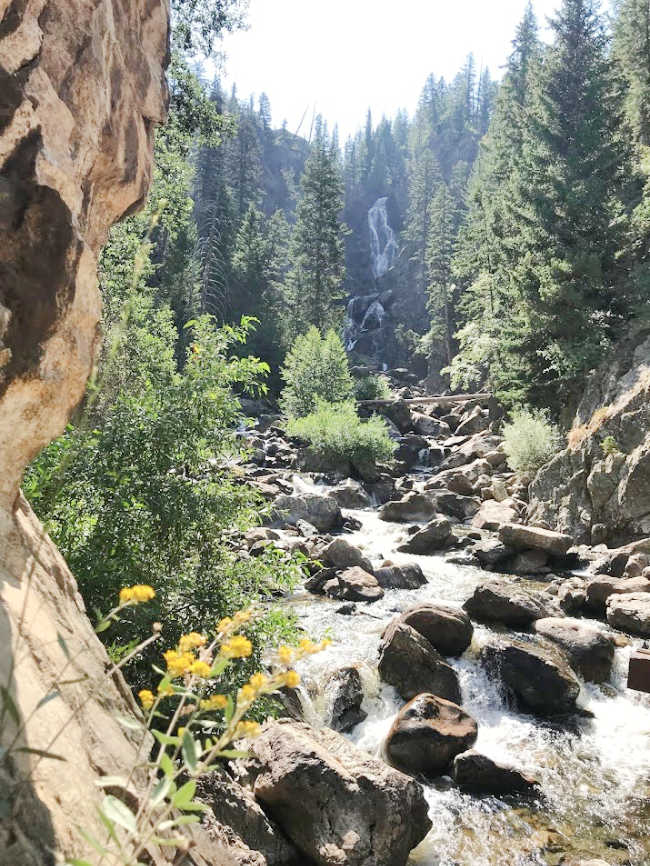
[[383, 246]]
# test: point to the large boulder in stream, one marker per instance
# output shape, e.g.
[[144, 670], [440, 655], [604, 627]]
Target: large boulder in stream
[[427, 734], [408, 576], [323, 512], [498, 601], [350, 494], [448, 629], [338, 805], [410, 663], [540, 678], [412, 508], [589, 650], [477, 774], [346, 693], [524, 537], [354, 584], [630, 612], [431, 538], [341, 554]]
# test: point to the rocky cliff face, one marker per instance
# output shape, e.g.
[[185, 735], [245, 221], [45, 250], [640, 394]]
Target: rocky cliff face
[[598, 489], [81, 88]]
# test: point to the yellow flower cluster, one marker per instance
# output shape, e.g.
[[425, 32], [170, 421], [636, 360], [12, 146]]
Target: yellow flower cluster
[[146, 699], [190, 641], [200, 669], [215, 702], [136, 594], [306, 647], [166, 691], [178, 664], [237, 647], [246, 730]]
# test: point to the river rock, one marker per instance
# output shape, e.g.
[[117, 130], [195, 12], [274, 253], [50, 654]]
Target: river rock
[[400, 414], [497, 601], [492, 515], [572, 595], [347, 695], [475, 422], [408, 576], [427, 734], [478, 774], [491, 551], [590, 652], [529, 562], [630, 612], [413, 507], [341, 554], [540, 678], [517, 535], [322, 512], [354, 584], [457, 505], [409, 448], [601, 588], [432, 537], [412, 665], [449, 630], [426, 425], [338, 805], [350, 494]]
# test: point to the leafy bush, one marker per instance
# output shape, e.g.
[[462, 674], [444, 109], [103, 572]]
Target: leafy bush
[[529, 440], [335, 431], [316, 368], [610, 446], [372, 388]]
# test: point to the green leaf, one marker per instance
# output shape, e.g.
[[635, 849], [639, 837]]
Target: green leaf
[[61, 642], [233, 753], [178, 822], [118, 812], [41, 753], [189, 751], [75, 862], [184, 795], [48, 698], [8, 702], [166, 739], [167, 765], [229, 711], [219, 666], [102, 626], [130, 723], [160, 791]]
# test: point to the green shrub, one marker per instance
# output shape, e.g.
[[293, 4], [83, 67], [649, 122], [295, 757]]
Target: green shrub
[[610, 446], [337, 432], [316, 368], [529, 440], [372, 388]]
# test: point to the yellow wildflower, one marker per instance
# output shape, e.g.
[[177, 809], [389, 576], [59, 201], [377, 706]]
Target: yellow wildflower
[[243, 616], [136, 594], [166, 691], [307, 646], [224, 624], [146, 699], [190, 641], [246, 729], [247, 693], [258, 681], [200, 669], [180, 731], [285, 654], [238, 647], [291, 679], [178, 663], [325, 643], [215, 702]]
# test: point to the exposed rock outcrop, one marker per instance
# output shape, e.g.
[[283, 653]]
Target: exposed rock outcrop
[[409, 662]]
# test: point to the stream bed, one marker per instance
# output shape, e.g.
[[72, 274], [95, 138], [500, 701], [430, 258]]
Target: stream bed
[[594, 771]]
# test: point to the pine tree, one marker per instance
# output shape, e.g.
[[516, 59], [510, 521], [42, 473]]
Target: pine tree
[[314, 285], [440, 250], [424, 180]]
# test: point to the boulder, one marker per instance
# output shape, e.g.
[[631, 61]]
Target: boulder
[[350, 494], [338, 805], [492, 515], [408, 576], [354, 584], [529, 562], [497, 601], [322, 512], [346, 691], [425, 425], [539, 677], [432, 537], [413, 507], [427, 735], [341, 554], [517, 535], [590, 652], [491, 551], [399, 413], [572, 595], [410, 663], [459, 506], [477, 774], [475, 422], [630, 612], [601, 588], [409, 448], [448, 629]]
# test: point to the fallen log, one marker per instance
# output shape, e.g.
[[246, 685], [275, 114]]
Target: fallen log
[[439, 400]]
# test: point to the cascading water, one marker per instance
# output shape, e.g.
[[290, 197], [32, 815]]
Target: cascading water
[[383, 246], [595, 774]]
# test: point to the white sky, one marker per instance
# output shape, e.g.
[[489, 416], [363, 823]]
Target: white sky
[[339, 57]]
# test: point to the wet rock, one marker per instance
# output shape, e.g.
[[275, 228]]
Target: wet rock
[[491, 551], [410, 663], [347, 696], [338, 805], [316, 583], [322, 512], [497, 601], [434, 536], [478, 774], [448, 629], [630, 612], [350, 494], [540, 678], [235, 814], [400, 576], [354, 584], [492, 515], [427, 735], [590, 652], [529, 562], [600, 588], [572, 595], [517, 535], [383, 490], [341, 554], [409, 448], [413, 507], [457, 505], [347, 609]]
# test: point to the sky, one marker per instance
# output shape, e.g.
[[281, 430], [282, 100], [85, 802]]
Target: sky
[[341, 57]]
